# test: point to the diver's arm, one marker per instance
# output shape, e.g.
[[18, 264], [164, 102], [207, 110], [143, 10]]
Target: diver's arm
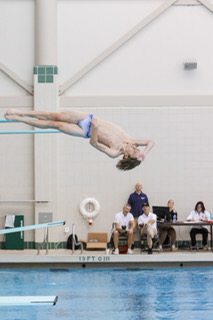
[[148, 144]]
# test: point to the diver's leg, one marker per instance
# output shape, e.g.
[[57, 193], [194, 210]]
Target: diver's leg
[[35, 114], [67, 116], [68, 128]]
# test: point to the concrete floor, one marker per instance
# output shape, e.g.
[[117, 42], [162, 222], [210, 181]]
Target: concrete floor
[[63, 258]]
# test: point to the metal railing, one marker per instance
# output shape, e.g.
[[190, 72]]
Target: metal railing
[[44, 242], [74, 243]]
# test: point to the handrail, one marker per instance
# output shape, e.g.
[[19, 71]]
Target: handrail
[[36, 226], [74, 243], [45, 241]]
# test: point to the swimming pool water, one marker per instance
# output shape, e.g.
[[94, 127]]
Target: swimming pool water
[[111, 294]]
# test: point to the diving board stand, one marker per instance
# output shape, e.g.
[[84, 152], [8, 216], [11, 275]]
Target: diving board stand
[[28, 300], [45, 226]]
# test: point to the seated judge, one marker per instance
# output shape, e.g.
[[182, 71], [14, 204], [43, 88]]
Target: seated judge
[[124, 224], [165, 231], [147, 225], [199, 214]]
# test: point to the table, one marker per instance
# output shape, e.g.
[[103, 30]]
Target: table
[[190, 223]]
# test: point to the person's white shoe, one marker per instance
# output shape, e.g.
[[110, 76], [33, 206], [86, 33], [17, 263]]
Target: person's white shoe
[[160, 247], [129, 251], [173, 248], [116, 251]]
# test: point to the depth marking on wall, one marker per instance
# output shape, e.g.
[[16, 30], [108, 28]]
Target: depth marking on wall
[[94, 259]]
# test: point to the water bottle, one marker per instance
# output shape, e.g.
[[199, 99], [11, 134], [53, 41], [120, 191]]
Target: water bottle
[[174, 218]]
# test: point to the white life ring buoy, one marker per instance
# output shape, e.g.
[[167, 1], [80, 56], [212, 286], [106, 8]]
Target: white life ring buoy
[[89, 208]]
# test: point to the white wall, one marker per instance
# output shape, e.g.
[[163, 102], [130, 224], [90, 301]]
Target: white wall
[[149, 63], [180, 165], [16, 41], [16, 166]]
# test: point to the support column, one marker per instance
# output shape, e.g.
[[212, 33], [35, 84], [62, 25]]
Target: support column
[[46, 98], [46, 32]]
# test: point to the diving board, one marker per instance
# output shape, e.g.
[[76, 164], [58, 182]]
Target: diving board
[[3, 120], [32, 227], [29, 131], [28, 300]]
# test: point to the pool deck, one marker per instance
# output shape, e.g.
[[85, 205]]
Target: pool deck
[[63, 258]]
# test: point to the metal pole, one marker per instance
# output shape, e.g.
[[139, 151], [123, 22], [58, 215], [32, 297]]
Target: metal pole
[[73, 239], [47, 240]]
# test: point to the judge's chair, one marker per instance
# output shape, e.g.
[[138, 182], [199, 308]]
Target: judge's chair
[[122, 243]]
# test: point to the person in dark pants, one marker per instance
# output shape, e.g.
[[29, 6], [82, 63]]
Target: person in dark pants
[[136, 201], [168, 231], [199, 214]]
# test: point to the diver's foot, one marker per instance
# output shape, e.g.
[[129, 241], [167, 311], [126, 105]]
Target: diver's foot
[[12, 111]]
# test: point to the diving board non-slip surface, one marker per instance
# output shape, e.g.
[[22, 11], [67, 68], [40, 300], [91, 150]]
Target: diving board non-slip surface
[[28, 300]]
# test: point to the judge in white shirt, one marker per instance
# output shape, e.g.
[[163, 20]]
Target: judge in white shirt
[[124, 223], [197, 215], [147, 225]]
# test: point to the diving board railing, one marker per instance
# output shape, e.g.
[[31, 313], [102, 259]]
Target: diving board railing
[[28, 300], [45, 242], [36, 226], [3, 120], [74, 242]]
